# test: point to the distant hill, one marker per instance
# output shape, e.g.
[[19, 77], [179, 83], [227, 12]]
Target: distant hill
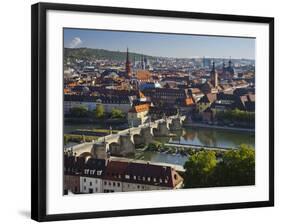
[[90, 53]]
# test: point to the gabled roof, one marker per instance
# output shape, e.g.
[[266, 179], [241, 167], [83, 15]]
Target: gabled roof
[[189, 101], [143, 75], [140, 108], [142, 173], [208, 98], [94, 167]]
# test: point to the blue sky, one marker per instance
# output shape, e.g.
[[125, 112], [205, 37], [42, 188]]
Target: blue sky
[[167, 45]]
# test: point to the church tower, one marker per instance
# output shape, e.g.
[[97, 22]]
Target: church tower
[[223, 67], [214, 76], [128, 64], [229, 63]]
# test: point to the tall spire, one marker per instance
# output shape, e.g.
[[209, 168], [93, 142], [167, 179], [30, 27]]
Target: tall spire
[[127, 53], [214, 76], [128, 64], [229, 62]]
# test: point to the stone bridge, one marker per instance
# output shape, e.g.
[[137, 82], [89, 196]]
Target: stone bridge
[[123, 143]]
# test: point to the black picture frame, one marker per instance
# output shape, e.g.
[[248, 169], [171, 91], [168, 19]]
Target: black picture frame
[[38, 116]]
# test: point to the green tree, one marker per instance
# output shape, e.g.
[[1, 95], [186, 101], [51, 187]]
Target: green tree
[[199, 169], [234, 168], [116, 113], [99, 113], [237, 167], [80, 111], [65, 139], [154, 146], [236, 115]]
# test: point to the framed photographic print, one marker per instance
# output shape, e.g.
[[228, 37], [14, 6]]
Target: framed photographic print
[[138, 111]]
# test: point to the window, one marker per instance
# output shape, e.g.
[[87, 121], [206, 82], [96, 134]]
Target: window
[[91, 190], [91, 183], [113, 184], [84, 179], [138, 186], [84, 188], [96, 189], [105, 182], [118, 184]]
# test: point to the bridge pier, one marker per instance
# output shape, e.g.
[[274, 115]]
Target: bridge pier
[[99, 150], [175, 125], [123, 147], [145, 136], [127, 146], [162, 130]]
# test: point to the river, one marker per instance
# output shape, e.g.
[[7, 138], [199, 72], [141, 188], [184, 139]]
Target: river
[[191, 136]]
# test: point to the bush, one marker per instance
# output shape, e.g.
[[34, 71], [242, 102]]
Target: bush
[[99, 112], [234, 168], [80, 111], [116, 113]]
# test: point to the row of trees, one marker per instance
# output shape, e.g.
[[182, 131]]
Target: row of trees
[[235, 167], [236, 115], [77, 138], [99, 112]]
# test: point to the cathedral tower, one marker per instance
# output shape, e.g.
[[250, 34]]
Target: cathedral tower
[[214, 76], [128, 64]]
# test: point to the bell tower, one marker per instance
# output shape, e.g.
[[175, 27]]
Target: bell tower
[[214, 76], [128, 64]]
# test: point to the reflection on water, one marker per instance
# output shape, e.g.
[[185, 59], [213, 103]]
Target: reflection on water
[[200, 137], [214, 138]]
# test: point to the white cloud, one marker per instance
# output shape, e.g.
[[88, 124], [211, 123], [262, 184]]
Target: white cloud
[[76, 41]]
